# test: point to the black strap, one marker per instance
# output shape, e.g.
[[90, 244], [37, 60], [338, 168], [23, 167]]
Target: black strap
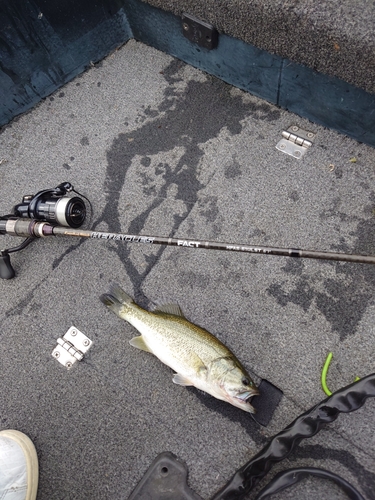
[[345, 400], [287, 478]]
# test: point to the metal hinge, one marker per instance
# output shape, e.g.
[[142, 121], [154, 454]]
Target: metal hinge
[[71, 347], [295, 141]]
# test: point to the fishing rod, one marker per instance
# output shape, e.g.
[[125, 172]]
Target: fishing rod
[[32, 228], [55, 212]]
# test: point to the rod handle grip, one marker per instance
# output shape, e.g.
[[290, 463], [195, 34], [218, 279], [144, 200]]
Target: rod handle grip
[[6, 269]]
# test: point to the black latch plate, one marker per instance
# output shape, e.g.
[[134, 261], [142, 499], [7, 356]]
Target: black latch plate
[[266, 403], [199, 32], [166, 479]]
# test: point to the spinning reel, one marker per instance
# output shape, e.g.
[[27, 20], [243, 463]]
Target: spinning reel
[[50, 205]]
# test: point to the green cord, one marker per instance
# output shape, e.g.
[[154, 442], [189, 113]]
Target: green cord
[[324, 374]]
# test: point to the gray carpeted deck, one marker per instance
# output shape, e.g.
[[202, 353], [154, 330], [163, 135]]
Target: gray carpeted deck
[[162, 148]]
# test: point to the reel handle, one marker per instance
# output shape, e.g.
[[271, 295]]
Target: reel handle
[[6, 269]]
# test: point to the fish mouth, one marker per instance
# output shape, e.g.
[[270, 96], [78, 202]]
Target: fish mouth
[[244, 400], [247, 395]]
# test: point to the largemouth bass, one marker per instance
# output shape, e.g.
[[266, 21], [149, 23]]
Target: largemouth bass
[[198, 358]]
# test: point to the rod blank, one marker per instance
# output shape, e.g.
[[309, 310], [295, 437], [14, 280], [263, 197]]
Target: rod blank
[[27, 227]]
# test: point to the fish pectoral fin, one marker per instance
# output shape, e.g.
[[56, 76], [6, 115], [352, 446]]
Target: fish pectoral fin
[[139, 343], [198, 363], [181, 380], [169, 309]]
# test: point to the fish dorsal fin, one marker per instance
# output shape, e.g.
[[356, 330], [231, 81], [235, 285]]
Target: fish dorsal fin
[[181, 380], [169, 309], [139, 343]]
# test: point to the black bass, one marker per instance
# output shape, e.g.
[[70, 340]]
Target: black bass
[[197, 357]]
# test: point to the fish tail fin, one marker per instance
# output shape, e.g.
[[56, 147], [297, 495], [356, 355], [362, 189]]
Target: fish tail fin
[[119, 294], [115, 299]]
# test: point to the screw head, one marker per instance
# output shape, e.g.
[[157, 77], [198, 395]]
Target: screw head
[[56, 354], [68, 364], [86, 343], [310, 135], [294, 128], [297, 154], [73, 333], [185, 26]]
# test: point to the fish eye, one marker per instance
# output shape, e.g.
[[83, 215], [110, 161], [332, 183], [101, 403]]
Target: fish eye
[[245, 381]]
